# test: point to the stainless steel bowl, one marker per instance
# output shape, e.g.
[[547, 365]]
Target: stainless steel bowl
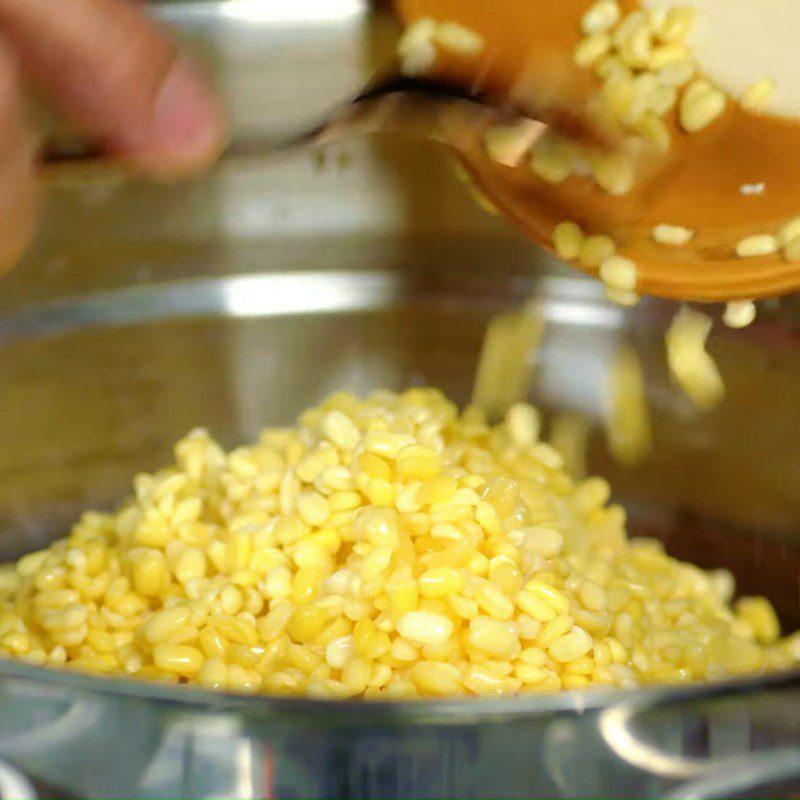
[[240, 299]]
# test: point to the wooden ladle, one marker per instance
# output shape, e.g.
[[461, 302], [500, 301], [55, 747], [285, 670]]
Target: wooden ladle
[[737, 178], [525, 74]]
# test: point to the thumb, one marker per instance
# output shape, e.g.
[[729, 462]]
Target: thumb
[[119, 78]]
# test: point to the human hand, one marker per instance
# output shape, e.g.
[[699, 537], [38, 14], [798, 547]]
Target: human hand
[[112, 74]]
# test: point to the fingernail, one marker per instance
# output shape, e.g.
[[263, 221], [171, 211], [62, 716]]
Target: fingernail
[[185, 129]]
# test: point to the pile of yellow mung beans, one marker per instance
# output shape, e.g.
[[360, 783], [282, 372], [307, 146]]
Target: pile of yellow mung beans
[[390, 547]]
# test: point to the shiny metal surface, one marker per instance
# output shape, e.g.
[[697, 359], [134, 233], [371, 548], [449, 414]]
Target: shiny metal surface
[[14, 785], [237, 300]]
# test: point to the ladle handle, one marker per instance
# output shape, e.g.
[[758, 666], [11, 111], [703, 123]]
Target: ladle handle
[[391, 103]]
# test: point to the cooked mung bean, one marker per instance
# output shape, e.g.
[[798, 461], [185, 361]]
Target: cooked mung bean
[[478, 567]]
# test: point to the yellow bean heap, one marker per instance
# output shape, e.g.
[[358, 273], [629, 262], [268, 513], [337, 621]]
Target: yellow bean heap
[[383, 548]]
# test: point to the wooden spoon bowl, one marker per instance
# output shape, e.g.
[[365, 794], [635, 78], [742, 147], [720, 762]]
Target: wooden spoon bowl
[[701, 183]]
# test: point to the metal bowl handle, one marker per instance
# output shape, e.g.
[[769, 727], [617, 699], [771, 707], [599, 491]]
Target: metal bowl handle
[[749, 773], [16, 784], [697, 778]]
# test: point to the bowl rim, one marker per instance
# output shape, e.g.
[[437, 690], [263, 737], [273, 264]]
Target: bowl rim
[[356, 712]]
